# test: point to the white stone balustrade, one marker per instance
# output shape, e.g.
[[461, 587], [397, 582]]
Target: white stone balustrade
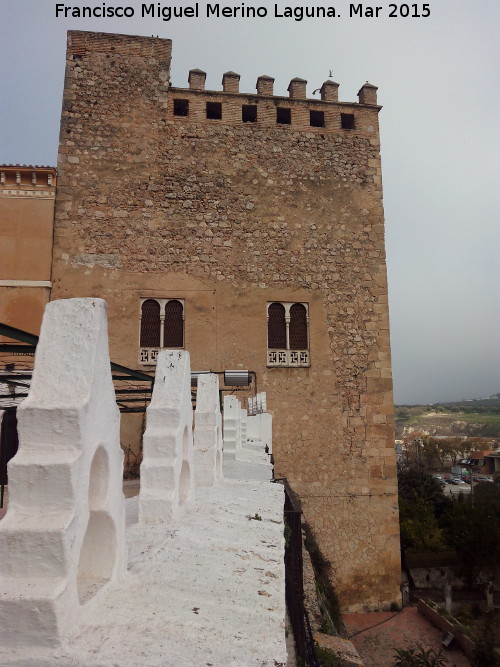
[[62, 540], [167, 479], [207, 432]]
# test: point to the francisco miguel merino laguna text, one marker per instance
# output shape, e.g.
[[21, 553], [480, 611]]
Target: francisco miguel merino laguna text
[[215, 10]]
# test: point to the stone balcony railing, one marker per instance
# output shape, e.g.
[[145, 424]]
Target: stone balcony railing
[[294, 358]]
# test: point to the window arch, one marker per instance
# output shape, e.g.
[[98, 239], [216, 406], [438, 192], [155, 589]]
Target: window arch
[[173, 331], [287, 334], [150, 323], [298, 327], [276, 326], [161, 326]]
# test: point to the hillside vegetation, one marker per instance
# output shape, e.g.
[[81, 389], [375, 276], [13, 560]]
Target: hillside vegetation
[[477, 417]]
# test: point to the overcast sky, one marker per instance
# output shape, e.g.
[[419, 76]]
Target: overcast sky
[[438, 80]]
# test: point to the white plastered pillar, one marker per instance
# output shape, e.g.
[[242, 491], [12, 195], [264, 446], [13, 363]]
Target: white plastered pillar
[[207, 432], [62, 540], [167, 479], [231, 419]]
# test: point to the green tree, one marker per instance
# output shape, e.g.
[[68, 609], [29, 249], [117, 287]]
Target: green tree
[[414, 483], [421, 501], [474, 533], [419, 527]]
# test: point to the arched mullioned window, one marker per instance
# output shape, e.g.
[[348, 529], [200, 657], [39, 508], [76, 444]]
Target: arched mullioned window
[[150, 323], [276, 326], [298, 327], [162, 326], [173, 332], [288, 334]]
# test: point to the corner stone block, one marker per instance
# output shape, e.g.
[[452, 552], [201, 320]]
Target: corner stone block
[[167, 479], [62, 541], [231, 422], [207, 432]]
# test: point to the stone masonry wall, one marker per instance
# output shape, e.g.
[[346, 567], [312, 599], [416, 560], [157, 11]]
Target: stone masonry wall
[[228, 216]]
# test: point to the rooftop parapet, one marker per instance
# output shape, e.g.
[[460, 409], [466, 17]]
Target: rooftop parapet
[[231, 82], [196, 79], [297, 88], [23, 175], [265, 85], [329, 90]]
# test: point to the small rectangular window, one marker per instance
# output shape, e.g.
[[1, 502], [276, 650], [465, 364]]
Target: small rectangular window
[[249, 113], [283, 116], [317, 118], [347, 121], [181, 107], [214, 110]]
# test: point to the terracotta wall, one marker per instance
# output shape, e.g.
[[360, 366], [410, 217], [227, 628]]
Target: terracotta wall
[[27, 196]]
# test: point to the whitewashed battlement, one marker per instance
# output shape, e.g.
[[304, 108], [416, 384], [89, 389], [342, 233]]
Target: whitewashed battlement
[[208, 441], [63, 537], [63, 554], [167, 479]]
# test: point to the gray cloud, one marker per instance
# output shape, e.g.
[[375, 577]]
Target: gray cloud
[[437, 80]]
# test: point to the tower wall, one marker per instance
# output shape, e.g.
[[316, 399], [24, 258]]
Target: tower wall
[[228, 216]]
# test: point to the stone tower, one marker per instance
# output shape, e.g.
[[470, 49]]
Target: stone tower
[[248, 229]]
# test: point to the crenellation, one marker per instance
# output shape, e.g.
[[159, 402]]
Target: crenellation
[[368, 94], [265, 85], [329, 91], [196, 79], [297, 88], [231, 82]]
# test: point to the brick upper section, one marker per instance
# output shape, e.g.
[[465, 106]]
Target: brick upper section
[[81, 42], [365, 117]]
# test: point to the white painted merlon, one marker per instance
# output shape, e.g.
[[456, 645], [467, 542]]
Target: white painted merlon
[[25, 283], [243, 428], [207, 432], [244, 457], [62, 541], [266, 430], [231, 420], [260, 431], [167, 481]]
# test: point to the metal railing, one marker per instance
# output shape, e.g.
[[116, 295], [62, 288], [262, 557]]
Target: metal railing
[[294, 581]]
